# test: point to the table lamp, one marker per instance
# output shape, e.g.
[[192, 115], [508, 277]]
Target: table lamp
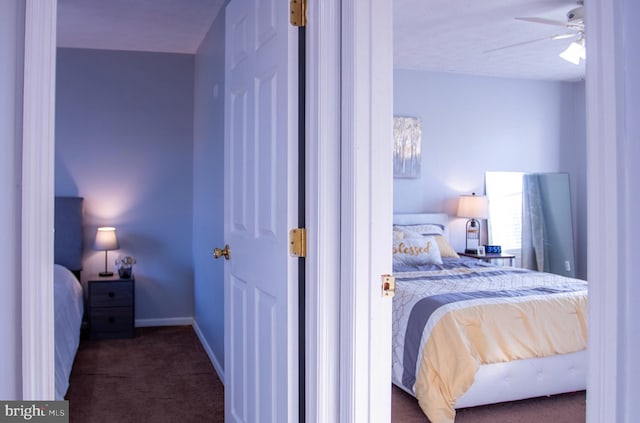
[[474, 207], [106, 240]]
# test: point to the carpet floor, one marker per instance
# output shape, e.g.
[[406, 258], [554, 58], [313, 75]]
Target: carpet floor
[[164, 375], [161, 375], [565, 408]]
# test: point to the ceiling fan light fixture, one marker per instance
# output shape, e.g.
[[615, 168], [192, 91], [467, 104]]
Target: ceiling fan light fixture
[[575, 52]]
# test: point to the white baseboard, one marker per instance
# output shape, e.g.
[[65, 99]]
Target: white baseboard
[[207, 348], [170, 321]]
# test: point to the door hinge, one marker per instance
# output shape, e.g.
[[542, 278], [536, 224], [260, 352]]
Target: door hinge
[[298, 11], [298, 242], [388, 286]]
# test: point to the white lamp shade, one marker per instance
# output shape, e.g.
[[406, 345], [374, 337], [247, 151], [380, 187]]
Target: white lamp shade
[[106, 239], [473, 206]]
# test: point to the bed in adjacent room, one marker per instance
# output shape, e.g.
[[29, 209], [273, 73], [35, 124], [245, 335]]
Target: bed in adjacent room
[[467, 333], [68, 297]]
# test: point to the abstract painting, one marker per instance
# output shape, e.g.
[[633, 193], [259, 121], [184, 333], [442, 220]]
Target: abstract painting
[[407, 140]]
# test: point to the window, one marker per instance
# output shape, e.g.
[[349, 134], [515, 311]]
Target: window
[[504, 192]]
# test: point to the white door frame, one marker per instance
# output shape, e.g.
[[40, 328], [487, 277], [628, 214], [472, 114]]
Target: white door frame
[[605, 151], [323, 389], [366, 218], [322, 204], [349, 110], [38, 362]]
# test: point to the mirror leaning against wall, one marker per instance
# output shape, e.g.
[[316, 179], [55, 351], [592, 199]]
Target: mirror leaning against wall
[[530, 216]]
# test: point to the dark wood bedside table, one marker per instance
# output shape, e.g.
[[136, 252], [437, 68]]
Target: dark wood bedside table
[[490, 257], [111, 307]]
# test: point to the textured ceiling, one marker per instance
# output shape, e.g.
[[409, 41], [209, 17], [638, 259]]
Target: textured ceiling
[[454, 35], [170, 26], [435, 35]]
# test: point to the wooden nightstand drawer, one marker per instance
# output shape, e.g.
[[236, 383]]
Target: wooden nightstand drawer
[[111, 308], [111, 319], [111, 294]]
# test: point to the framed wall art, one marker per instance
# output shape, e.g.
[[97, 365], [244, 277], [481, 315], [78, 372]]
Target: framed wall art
[[407, 143]]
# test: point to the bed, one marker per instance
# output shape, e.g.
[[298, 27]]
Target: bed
[[468, 333], [68, 297]]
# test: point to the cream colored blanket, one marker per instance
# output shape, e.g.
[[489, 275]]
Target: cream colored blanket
[[460, 336]]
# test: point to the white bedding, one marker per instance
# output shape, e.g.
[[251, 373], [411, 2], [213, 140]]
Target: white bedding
[[68, 303], [495, 381], [493, 314]]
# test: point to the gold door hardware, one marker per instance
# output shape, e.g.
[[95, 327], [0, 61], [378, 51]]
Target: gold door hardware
[[226, 252], [388, 286], [298, 11], [298, 242]]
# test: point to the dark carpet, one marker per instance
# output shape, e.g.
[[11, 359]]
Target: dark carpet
[[164, 375], [565, 408], [161, 375]]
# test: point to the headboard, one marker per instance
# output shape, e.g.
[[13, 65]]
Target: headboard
[[68, 233], [422, 218]]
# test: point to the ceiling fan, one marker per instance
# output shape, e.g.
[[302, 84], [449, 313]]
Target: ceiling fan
[[574, 23], [575, 19]]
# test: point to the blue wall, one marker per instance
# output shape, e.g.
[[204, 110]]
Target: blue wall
[[208, 191], [124, 142], [474, 124]]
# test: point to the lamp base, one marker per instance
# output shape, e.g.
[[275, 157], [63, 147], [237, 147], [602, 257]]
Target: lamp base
[[471, 251], [105, 274]]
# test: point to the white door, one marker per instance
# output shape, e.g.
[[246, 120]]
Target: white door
[[261, 294]]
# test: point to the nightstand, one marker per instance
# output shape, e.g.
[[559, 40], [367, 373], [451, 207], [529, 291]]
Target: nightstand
[[490, 257], [111, 307]]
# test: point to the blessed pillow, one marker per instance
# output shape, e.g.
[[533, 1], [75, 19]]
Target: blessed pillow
[[443, 245], [416, 251]]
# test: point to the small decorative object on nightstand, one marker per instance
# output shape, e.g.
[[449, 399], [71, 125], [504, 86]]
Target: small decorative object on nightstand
[[111, 307], [124, 264]]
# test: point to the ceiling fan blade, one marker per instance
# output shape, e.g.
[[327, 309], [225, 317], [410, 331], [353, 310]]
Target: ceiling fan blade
[[544, 21], [554, 37], [576, 26], [567, 35]]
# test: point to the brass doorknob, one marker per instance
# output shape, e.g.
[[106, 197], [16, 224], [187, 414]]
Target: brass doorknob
[[226, 252]]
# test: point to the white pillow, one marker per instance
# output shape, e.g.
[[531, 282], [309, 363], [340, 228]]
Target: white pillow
[[416, 251], [422, 230]]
